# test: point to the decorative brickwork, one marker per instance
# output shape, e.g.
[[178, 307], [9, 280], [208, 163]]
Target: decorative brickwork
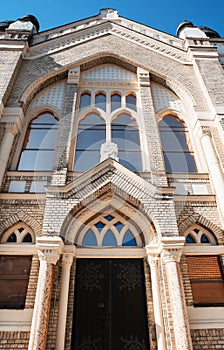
[[212, 339]]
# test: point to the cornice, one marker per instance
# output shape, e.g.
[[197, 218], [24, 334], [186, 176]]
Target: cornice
[[153, 42]]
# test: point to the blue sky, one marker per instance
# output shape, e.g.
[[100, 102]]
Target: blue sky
[[160, 14]]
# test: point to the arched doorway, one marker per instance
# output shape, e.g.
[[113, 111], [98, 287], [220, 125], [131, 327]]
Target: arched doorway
[[110, 303]]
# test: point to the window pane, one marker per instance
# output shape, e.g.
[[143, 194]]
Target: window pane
[[129, 239], [131, 160], [12, 238], [17, 186], [174, 141], [91, 138], [115, 102], [36, 160], [27, 238], [41, 138], [85, 160], [85, 100], [190, 239], [131, 102], [109, 239], [89, 239], [91, 135], [45, 118], [38, 186], [100, 101], [179, 162]]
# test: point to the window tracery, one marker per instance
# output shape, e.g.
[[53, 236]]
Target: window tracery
[[20, 233], [109, 231], [199, 235]]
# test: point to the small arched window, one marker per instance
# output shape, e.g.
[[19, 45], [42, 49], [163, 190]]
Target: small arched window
[[91, 134], [18, 234], [100, 101], [125, 134], [131, 101], [115, 102], [175, 143], [199, 235], [39, 144], [85, 100]]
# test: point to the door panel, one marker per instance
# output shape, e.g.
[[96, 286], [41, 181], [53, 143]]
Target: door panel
[[110, 306]]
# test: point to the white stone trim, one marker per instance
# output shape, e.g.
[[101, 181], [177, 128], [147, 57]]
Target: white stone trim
[[15, 320], [206, 317], [110, 252]]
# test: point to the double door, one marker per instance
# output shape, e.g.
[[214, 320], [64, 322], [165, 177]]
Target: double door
[[110, 305]]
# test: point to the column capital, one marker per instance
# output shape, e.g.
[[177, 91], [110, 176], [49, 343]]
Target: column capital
[[206, 130], [171, 248], [49, 248], [12, 128]]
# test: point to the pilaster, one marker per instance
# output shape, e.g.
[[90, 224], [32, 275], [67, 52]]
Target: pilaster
[[66, 126], [49, 249], [152, 132], [214, 167], [67, 260], [171, 250]]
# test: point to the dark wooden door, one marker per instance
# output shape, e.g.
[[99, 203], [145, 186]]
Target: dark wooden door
[[110, 305]]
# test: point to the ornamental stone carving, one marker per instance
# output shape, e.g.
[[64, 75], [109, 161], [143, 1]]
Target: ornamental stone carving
[[49, 248], [108, 150]]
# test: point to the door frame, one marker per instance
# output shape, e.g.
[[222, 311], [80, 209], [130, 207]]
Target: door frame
[[120, 253]]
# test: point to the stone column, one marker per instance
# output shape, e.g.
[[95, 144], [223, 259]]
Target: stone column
[[11, 130], [153, 260], [49, 249], [215, 171], [170, 254], [152, 132], [67, 261]]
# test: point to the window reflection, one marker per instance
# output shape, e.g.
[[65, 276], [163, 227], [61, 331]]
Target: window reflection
[[85, 100], [39, 144], [131, 101], [100, 101], [91, 135], [125, 134], [175, 141], [115, 102]]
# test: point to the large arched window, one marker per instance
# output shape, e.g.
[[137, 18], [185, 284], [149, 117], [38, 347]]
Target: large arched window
[[39, 144], [91, 134], [125, 134], [175, 143]]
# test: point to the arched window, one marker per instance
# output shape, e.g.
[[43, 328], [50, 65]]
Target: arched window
[[20, 233], [91, 134], [39, 144], [175, 144], [85, 100], [125, 134], [197, 234], [100, 101], [115, 100], [131, 101], [109, 230]]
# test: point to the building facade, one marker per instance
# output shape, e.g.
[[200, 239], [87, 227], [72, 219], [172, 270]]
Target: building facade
[[112, 186]]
